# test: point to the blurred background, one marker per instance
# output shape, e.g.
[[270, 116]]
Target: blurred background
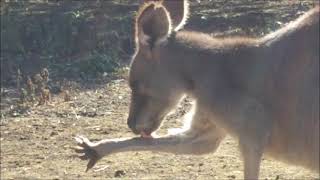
[[88, 38]]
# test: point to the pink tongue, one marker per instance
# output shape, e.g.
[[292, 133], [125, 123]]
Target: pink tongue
[[145, 135]]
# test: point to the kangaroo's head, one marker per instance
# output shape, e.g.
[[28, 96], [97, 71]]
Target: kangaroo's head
[[155, 87]]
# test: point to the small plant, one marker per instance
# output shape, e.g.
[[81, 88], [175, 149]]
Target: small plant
[[66, 92], [67, 96], [41, 81], [30, 89], [45, 76], [38, 80], [23, 96], [19, 79], [45, 96], [36, 87]]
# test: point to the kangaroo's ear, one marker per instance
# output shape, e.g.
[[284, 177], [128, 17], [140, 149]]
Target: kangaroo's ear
[[153, 24], [179, 12]]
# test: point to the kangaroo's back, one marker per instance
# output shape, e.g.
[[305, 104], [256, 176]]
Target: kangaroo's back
[[294, 90]]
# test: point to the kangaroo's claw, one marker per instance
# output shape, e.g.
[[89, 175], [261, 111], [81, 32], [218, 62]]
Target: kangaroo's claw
[[86, 150]]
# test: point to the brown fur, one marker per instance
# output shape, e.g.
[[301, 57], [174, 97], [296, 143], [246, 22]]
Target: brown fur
[[265, 92], [178, 15]]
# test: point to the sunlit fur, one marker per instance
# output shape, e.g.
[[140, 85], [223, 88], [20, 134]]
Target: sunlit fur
[[179, 15], [263, 91]]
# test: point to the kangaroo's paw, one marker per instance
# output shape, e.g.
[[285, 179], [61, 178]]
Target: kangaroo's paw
[[86, 151]]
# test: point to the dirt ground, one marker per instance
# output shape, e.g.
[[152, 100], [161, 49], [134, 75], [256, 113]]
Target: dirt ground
[[36, 142]]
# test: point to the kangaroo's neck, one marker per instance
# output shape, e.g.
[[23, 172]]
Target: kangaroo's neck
[[224, 63]]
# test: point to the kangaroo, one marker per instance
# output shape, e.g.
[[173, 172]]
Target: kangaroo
[[262, 91]]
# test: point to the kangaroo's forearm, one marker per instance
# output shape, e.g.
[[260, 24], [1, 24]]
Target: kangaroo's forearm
[[177, 144]]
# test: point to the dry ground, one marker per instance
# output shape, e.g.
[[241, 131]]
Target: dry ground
[[37, 143]]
